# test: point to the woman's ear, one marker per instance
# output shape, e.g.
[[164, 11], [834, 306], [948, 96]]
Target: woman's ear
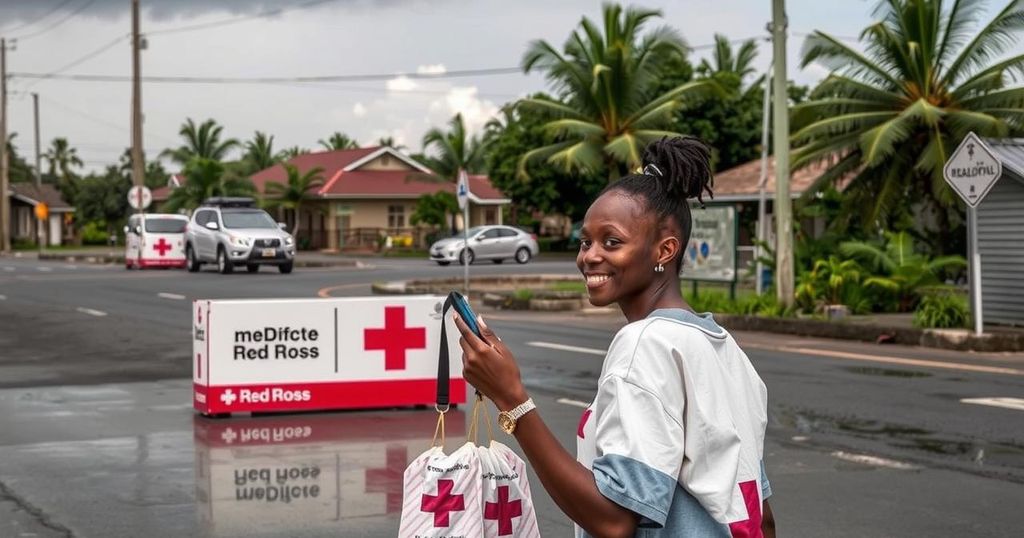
[[668, 249]]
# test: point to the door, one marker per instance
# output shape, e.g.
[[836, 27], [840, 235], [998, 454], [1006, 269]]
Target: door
[[344, 224], [131, 241], [163, 237], [487, 244], [205, 243]]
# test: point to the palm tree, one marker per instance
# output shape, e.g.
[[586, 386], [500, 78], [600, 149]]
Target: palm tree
[[291, 194], [890, 115], [204, 178], [292, 152], [259, 152], [389, 141], [723, 61], [447, 152], [62, 158], [338, 141], [201, 141], [608, 108]]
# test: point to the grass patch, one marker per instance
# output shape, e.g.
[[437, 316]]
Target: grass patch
[[569, 285]]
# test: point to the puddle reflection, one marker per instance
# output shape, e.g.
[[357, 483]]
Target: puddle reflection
[[309, 473]]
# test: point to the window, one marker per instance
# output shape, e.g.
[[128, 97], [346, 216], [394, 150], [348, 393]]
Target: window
[[490, 216], [396, 216], [248, 219], [203, 217], [165, 226], [507, 232], [492, 234]]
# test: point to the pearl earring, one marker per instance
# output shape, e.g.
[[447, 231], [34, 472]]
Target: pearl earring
[[659, 268]]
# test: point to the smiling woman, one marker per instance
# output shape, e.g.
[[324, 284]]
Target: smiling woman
[[673, 442]]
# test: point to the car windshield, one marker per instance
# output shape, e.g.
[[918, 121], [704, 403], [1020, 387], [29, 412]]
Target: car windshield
[[472, 231], [247, 219], [166, 226]]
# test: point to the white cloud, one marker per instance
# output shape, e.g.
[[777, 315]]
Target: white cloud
[[358, 110], [400, 84], [475, 111], [432, 69]]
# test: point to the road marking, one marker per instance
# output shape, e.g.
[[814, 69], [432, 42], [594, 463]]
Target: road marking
[[44, 269], [1006, 403], [326, 292], [898, 360], [874, 461], [3, 297], [576, 403], [174, 296], [91, 312], [8, 269], [563, 347]]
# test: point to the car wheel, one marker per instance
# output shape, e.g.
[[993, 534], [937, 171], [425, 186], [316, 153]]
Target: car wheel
[[223, 263], [523, 255], [463, 256], [442, 264], [191, 263], [252, 267], [285, 268]]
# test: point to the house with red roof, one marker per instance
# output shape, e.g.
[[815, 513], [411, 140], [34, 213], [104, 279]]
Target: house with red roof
[[24, 226], [371, 193]]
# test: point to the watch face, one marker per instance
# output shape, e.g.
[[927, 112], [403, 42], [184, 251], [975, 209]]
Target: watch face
[[506, 423]]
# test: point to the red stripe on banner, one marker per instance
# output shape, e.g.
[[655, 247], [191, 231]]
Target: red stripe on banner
[[321, 396]]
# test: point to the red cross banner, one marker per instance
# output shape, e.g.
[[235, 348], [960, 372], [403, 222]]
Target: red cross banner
[[315, 354]]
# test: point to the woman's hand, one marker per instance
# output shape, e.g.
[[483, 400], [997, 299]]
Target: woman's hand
[[489, 366]]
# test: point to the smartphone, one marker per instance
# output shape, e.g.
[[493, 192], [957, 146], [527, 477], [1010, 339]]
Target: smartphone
[[466, 313]]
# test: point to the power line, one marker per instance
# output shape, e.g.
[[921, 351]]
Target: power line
[[84, 58], [37, 19], [275, 80], [236, 20], [58, 23]]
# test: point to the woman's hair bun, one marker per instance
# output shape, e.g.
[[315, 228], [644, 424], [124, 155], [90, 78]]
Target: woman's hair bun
[[683, 164]]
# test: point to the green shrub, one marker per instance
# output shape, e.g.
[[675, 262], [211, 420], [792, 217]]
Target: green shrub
[[95, 233], [942, 310], [523, 294]]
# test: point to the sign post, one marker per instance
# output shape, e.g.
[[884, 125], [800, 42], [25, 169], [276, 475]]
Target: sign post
[[462, 194], [971, 171]]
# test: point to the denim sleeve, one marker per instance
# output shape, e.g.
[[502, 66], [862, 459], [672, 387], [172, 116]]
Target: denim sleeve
[[766, 486]]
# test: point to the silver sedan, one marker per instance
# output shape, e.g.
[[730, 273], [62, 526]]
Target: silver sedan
[[495, 243]]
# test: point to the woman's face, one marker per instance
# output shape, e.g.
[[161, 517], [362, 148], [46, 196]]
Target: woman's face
[[617, 253]]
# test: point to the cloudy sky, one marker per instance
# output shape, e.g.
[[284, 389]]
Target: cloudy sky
[[238, 38]]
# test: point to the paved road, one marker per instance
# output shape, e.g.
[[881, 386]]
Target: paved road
[[97, 437]]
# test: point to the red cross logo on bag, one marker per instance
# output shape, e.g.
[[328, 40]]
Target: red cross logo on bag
[[443, 503], [503, 511], [395, 339]]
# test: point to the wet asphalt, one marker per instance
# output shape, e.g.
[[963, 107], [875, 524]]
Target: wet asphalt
[[98, 438]]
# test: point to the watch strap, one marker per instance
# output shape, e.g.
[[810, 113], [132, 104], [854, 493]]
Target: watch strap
[[522, 409]]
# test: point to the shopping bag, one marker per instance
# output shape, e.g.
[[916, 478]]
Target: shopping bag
[[476, 491]]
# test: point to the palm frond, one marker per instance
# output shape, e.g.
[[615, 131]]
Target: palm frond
[[991, 41], [836, 55]]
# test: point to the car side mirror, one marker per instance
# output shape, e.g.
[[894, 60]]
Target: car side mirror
[[212, 225], [282, 225], [138, 229], [479, 238], [126, 229]]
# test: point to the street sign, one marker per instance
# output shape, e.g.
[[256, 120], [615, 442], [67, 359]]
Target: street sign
[[139, 197], [711, 253], [972, 170], [462, 189], [42, 211], [314, 354]]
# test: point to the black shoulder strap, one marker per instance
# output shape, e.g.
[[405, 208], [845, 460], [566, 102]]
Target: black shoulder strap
[[443, 383]]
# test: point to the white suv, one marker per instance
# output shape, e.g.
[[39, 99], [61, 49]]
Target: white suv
[[230, 232]]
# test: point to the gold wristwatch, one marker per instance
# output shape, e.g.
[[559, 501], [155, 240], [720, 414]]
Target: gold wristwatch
[[507, 419]]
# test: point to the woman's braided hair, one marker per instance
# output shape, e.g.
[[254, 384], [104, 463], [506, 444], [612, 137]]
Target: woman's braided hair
[[675, 170]]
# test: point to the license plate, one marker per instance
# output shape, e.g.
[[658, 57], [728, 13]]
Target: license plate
[[269, 253]]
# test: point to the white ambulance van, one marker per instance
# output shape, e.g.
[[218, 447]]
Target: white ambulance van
[[155, 240]]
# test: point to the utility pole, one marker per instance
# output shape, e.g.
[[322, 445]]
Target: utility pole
[[138, 167], [42, 224], [783, 202], [35, 116], [5, 201], [762, 212]]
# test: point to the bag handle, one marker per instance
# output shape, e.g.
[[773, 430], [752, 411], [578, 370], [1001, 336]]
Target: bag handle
[[474, 426], [443, 402]]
